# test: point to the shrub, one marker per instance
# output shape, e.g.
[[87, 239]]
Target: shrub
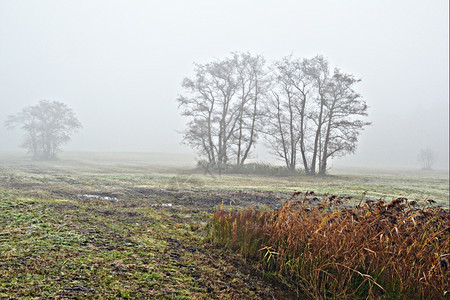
[[264, 169]]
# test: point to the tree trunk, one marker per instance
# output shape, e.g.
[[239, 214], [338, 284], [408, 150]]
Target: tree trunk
[[323, 167], [252, 128], [280, 127], [302, 137], [316, 140]]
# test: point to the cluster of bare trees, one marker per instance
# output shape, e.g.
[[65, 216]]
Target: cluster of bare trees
[[305, 112], [224, 103], [313, 114], [47, 126]]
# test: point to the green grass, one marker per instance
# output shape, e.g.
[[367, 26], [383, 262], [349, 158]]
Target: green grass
[[375, 186], [81, 170], [69, 248]]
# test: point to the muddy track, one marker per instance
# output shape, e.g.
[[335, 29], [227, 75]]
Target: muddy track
[[217, 273], [208, 199], [201, 199], [230, 279]]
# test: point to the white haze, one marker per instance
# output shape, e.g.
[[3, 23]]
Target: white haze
[[119, 65]]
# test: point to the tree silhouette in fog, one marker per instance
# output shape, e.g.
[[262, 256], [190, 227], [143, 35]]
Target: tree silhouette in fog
[[47, 126], [305, 112], [427, 158]]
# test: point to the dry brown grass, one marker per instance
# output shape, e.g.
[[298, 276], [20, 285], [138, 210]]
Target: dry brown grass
[[376, 249]]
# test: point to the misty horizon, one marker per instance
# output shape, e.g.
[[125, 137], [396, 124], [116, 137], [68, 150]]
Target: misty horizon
[[120, 67]]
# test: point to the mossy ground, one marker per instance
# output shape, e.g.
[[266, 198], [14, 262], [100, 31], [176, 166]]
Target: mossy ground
[[130, 249]]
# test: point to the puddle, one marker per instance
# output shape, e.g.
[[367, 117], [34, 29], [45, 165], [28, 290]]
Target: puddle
[[98, 197], [163, 205]]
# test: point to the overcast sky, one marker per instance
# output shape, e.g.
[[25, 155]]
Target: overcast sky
[[119, 65]]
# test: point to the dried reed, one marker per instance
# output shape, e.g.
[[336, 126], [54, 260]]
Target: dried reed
[[325, 249]]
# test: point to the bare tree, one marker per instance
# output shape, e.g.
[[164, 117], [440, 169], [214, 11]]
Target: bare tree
[[341, 128], [209, 104], [200, 105], [223, 104], [307, 115], [281, 133], [286, 126], [312, 115], [427, 158], [252, 81], [318, 70], [47, 125], [295, 74]]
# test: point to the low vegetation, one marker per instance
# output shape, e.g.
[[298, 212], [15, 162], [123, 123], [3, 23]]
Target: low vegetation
[[96, 248], [323, 248], [113, 227], [259, 168]]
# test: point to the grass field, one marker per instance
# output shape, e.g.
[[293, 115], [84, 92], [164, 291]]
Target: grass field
[[133, 226]]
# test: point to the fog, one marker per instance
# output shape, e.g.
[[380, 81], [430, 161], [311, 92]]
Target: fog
[[119, 65]]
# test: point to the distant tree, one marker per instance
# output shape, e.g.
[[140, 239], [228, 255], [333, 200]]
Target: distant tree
[[47, 126], [427, 158]]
